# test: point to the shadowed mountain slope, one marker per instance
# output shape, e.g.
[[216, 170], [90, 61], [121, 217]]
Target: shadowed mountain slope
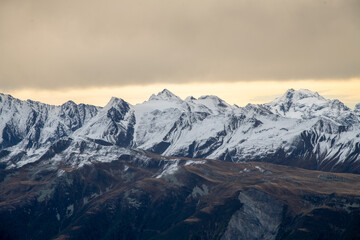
[[145, 196]]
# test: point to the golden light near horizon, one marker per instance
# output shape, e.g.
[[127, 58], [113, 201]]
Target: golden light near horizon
[[239, 93], [242, 51]]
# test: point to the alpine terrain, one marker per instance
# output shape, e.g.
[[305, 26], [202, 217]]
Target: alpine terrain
[[170, 168]]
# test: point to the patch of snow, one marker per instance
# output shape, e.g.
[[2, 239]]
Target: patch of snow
[[169, 169], [260, 169], [191, 162], [70, 210], [60, 172], [245, 170]]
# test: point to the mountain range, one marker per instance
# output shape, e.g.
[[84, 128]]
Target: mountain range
[[170, 168], [300, 128]]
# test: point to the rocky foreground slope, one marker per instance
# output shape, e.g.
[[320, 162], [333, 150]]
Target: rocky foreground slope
[[145, 196], [301, 129]]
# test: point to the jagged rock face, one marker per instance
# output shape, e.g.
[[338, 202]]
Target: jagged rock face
[[140, 195], [258, 218], [301, 128], [32, 125]]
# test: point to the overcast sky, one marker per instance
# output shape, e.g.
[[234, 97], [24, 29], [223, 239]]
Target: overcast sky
[[72, 44], [52, 44]]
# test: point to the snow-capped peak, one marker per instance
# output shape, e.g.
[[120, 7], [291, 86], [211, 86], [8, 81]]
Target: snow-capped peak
[[7, 98], [297, 103], [116, 109], [189, 99], [338, 105], [114, 101], [305, 104], [213, 101], [4, 96], [68, 104], [164, 95], [357, 107], [292, 95]]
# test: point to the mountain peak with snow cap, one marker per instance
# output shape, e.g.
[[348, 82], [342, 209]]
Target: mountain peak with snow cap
[[215, 100], [189, 99], [114, 101], [68, 104], [296, 95], [293, 97], [164, 95], [305, 104], [213, 103], [357, 107]]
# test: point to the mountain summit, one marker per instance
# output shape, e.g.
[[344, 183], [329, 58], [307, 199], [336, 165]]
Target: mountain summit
[[164, 95], [305, 104], [302, 96]]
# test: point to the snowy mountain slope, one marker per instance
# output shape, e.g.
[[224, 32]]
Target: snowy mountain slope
[[304, 104], [114, 124], [310, 127], [31, 124], [29, 128], [301, 128]]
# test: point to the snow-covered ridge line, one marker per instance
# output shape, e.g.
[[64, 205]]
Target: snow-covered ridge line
[[297, 128], [167, 95]]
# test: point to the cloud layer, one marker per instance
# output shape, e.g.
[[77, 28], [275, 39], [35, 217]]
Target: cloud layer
[[61, 44]]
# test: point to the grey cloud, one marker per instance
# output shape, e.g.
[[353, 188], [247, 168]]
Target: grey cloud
[[53, 44]]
